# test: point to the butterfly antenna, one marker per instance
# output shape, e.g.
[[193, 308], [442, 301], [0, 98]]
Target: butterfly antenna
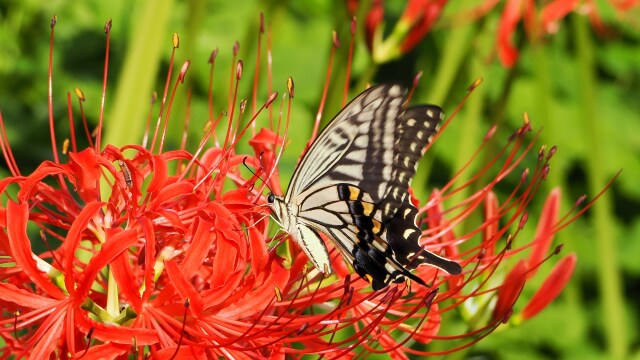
[[290, 94], [255, 175], [244, 162], [265, 182]]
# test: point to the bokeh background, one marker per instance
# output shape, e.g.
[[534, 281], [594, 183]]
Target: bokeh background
[[578, 79]]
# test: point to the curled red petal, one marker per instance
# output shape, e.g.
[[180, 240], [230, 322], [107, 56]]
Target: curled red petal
[[5, 182], [171, 192], [545, 230], [160, 174], [372, 22], [264, 141], [17, 217], [510, 290], [183, 287], [556, 10], [199, 248], [149, 256], [511, 15], [209, 158], [45, 169], [491, 231], [184, 352], [127, 280], [23, 298], [86, 169], [422, 14], [228, 257], [254, 301], [105, 351], [552, 286], [258, 249], [46, 342], [113, 246], [73, 238], [114, 333]]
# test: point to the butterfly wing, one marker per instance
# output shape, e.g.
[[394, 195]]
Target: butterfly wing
[[362, 134], [352, 186]]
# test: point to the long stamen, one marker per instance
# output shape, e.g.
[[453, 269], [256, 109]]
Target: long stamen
[[176, 43], [179, 81], [325, 90], [107, 30]]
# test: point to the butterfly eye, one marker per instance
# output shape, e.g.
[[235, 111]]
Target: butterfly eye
[[271, 198]]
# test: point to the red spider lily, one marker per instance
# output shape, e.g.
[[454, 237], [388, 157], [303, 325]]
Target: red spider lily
[[414, 24], [144, 259], [539, 19]]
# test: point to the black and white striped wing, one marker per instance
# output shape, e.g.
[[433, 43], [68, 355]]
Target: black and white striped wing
[[362, 135], [352, 186]]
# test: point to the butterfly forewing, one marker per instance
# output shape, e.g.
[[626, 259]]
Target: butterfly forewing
[[352, 186], [362, 134]]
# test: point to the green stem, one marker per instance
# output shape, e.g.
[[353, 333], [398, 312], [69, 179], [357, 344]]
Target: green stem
[[469, 132], [613, 317], [458, 42], [547, 118], [135, 84], [113, 303], [456, 48]]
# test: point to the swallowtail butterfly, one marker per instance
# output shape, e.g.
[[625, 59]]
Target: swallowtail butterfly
[[352, 184]]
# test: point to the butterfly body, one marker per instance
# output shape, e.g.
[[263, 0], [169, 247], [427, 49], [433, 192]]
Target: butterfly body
[[352, 186]]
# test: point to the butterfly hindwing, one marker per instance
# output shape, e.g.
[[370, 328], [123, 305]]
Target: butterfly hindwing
[[416, 127], [386, 249]]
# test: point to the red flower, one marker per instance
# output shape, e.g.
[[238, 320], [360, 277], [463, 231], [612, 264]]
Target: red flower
[[539, 20], [421, 14], [169, 253], [414, 24]]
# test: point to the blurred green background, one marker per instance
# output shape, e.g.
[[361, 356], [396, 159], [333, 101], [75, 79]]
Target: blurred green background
[[581, 86]]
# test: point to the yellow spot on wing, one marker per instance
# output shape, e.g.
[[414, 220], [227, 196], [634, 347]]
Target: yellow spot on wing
[[368, 208], [376, 226], [368, 277], [354, 193]]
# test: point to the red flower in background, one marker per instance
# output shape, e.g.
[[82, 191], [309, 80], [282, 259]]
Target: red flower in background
[[418, 17], [421, 14], [541, 19], [414, 24], [144, 259]]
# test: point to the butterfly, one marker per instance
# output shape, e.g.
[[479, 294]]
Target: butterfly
[[352, 186]]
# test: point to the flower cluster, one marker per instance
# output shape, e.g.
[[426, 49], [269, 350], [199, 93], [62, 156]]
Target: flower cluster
[[171, 253], [419, 16]]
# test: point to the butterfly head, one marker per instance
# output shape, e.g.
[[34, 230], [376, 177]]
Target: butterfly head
[[279, 209]]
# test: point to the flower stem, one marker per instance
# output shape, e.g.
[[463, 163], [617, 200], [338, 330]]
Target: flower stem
[[139, 72], [609, 277], [113, 305], [456, 48], [545, 118], [469, 129]]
